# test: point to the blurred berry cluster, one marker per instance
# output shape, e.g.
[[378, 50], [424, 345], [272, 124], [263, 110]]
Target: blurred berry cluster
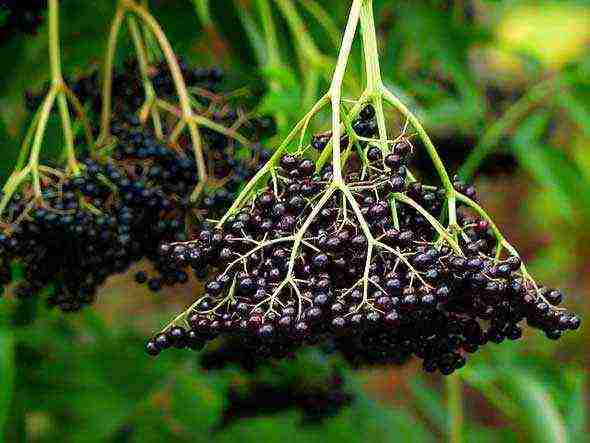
[[315, 385], [131, 195], [364, 266]]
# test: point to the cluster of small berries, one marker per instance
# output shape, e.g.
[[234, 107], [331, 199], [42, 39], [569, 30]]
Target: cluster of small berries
[[364, 266], [21, 15], [124, 203]]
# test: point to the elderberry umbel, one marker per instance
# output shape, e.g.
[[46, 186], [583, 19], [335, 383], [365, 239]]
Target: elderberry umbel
[[366, 266], [124, 204]]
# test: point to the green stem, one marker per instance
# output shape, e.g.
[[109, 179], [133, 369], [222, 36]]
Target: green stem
[[33, 164], [203, 12], [141, 59], [204, 122], [12, 184], [373, 70], [66, 122], [57, 82], [455, 408], [26, 145], [149, 106], [79, 108], [432, 152], [54, 52], [270, 164], [431, 219], [107, 84], [502, 242], [354, 111], [336, 85]]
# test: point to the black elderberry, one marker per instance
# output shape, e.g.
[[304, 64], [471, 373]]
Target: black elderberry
[[177, 336], [151, 348], [320, 261], [288, 162], [162, 342], [141, 277], [155, 284]]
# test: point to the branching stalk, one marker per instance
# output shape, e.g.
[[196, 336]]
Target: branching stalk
[[336, 85], [107, 85]]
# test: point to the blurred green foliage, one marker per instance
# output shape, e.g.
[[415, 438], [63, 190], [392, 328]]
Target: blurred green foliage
[[499, 83]]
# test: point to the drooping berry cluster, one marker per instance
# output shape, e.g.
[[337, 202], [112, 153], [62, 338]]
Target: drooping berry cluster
[[365, 264], [130, 197], [21, 15]]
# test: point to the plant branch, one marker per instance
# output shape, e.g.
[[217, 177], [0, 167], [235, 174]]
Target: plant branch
[[270, 164], [336, 85], [107, 85], [436, 160], [373, 70]]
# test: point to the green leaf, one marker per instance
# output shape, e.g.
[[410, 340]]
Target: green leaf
[[197, 402], [576, 109], [550, 167], [539, 415], [576, 416], [429, 402], [6, 376]]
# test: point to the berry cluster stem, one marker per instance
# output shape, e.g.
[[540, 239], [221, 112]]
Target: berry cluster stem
[[373, 70], [436, 160], [336, 85], [271, 164], [187, 118], [59, 92], [149, 107], [107, 85]]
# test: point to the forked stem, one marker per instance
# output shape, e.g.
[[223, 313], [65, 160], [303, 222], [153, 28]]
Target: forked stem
[[107, 82], [36, 132]]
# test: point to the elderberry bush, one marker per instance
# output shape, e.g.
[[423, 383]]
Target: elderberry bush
[[366, 266], [130, 197]]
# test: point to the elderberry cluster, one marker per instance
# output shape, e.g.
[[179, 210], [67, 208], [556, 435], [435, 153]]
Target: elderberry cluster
[[129, 197], [367, 266]]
